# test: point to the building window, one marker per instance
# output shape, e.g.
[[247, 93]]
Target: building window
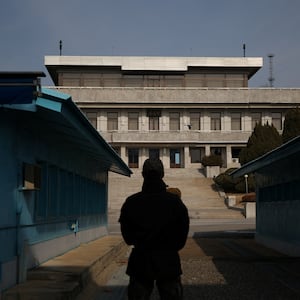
[[153, 116], [175, 121], [175, 158], [215, 121], [112, 121], [195, 155], [133, 121], [236, 123], [133, 158], [255, 119], [153, 123], [277, 120], [31, 177], [92, 117], [235, 154], [63, 194], [195, 121]]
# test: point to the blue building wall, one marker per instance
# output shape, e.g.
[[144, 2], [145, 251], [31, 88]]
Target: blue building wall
[[71, 199], [277, 178], [53, 177], [278, 205]]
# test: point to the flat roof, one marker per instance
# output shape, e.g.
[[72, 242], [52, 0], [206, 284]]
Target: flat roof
[[159, 63], [153, 63]]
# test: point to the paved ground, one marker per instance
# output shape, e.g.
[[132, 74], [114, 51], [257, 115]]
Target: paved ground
[[219, 265], [220, 261]]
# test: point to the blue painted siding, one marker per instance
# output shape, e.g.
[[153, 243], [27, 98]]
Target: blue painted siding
[[278, 204], [53, 177], [73, 186], [64, 198], [9, 192]]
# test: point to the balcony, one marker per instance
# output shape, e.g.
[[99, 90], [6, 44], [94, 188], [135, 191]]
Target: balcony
[[218, 137]]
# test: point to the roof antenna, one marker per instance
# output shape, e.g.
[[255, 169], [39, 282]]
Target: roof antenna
[[244, 50], [60, 47], [271, 78]]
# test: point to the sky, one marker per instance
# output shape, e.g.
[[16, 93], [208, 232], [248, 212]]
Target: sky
[[32, 29]]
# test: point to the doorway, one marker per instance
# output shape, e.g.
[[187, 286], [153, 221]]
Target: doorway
[[175, 158]]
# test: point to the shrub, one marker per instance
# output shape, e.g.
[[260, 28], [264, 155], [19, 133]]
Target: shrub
[[241, 185], [226, 182], [291, 127], [263, 139], [212, 160], [238, 185]]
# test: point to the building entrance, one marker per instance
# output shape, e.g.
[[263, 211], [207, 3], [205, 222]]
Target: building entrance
[[175, 158]]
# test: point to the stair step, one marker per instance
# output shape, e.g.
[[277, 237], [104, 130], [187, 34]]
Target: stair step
[[198, 193]]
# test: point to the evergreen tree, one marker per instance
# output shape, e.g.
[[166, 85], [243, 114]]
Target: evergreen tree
[[291, 126], [263, 139]]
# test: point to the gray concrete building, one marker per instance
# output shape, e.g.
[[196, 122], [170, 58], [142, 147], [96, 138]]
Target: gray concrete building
[[175, 108]]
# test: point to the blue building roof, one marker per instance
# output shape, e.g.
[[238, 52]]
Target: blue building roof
[[62, 119], [284, 151]]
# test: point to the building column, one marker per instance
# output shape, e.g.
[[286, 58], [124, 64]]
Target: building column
[[165, 157], [187, 159], [207, 150], [143, 155], [123, 153], [228, 155]]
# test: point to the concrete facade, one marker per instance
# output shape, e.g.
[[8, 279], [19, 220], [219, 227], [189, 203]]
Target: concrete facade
[[177, 108]]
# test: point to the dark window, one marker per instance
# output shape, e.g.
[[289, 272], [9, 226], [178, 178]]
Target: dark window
[[215, 121], [133, 158], [133, 121], [175, 158], [175, 121], [112, 121], [195, 121], [153, 116], [195, 155], [236, 122], [92, 117]]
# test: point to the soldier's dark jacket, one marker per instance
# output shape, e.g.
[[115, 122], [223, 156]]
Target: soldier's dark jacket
[[156, 223]]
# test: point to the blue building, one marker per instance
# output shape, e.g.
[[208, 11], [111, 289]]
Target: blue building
[[53, 175], [277, 197]]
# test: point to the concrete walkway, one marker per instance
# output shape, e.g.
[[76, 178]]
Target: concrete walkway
[[66, 276], [220, 261], [85, 272]]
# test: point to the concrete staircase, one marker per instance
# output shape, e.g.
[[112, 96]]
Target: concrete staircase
[[198, 193]]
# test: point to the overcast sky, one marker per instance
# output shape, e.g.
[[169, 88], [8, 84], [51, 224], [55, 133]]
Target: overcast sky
[[31, 29]]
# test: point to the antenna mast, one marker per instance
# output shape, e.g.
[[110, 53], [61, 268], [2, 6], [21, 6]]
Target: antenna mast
[[60, 47], [271, 78]]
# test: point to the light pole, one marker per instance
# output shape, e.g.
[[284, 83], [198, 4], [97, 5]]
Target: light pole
[[246, 183]]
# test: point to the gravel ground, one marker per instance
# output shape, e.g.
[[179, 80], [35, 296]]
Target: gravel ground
[[223, 268]]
